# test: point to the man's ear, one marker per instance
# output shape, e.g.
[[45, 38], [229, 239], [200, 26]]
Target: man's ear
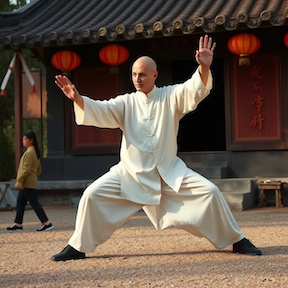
[[155, 75]]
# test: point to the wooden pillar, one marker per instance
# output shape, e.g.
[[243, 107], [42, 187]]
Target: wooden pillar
[[18, 111]]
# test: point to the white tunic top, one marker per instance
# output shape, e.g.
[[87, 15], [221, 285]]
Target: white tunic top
[[149, 140]]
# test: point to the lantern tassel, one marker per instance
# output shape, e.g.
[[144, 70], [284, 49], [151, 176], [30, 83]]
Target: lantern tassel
[[244, 60]]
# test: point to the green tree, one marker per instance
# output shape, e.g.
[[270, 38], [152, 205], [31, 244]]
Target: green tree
[[7, 123], [8, 5], [7, 146], [5, 6]]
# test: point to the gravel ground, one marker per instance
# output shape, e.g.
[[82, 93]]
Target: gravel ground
[[139, 256]]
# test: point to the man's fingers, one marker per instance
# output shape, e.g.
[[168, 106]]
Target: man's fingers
[[60, 81], [58, 84], [213, 47], [205, 45], [206, 42], [63, 80], [209, 43], [201, 42], [64, 84]]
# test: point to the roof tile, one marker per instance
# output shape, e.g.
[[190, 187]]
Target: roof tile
[[63, 22]]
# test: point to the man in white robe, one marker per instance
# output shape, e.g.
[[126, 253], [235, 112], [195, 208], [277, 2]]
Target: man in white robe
[[149, 174]]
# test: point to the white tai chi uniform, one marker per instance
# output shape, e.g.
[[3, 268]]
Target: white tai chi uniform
[[149, 174]]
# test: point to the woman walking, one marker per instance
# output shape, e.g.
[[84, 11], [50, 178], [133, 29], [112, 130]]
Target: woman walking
[[28, 170]]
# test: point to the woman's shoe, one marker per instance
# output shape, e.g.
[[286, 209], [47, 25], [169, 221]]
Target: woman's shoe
[[45, 227], [15, 227]]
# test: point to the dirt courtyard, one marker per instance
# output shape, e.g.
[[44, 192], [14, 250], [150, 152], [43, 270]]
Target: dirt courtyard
[[139, 256]]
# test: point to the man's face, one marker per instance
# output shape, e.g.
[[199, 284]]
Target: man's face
[[143, 75]]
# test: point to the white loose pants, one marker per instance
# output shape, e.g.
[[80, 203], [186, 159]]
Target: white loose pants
[[198, 207]]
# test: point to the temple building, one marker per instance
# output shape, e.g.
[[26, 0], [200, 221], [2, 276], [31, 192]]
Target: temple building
[[239, 131]]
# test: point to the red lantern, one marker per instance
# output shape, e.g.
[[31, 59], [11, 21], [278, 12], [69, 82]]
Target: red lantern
[[65, 60], [286, 39], [243, 44], [113, 54]]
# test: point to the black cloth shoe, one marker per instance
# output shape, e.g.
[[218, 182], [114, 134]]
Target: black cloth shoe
[[246, 247], [15, 227], [68, 253], [45, 227]]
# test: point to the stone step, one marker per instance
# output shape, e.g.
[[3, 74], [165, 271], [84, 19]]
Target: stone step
[[233, 185], [211, 170], [59, 184], [239, 193]]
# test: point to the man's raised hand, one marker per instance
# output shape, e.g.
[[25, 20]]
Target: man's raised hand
[[204, 56], [67, 87], [69, 90]]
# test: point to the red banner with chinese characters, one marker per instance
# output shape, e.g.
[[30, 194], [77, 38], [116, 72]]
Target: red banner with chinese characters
[[255, 99]]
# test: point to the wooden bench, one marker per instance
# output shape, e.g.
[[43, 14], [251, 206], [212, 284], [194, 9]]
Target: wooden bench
[[277, 186]]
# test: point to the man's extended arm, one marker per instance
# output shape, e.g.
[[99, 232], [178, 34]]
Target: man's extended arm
[[104, 114]]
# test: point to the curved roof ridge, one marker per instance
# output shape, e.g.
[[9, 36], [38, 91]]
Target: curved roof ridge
[[67, 22]]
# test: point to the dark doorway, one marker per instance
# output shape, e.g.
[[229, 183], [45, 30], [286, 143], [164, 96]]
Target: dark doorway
[[204, 128]]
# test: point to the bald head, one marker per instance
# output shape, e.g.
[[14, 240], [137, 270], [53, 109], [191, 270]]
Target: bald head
[[144, 74], [147, 62]]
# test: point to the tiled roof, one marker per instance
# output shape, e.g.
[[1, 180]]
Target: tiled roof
[[65, 22]]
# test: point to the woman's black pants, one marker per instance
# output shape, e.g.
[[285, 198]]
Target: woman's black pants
[[28, 194]]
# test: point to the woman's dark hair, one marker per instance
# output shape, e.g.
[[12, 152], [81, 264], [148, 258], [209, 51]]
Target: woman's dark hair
[[32, 136]]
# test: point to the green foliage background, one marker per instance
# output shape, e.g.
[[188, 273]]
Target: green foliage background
[[7, 127]]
